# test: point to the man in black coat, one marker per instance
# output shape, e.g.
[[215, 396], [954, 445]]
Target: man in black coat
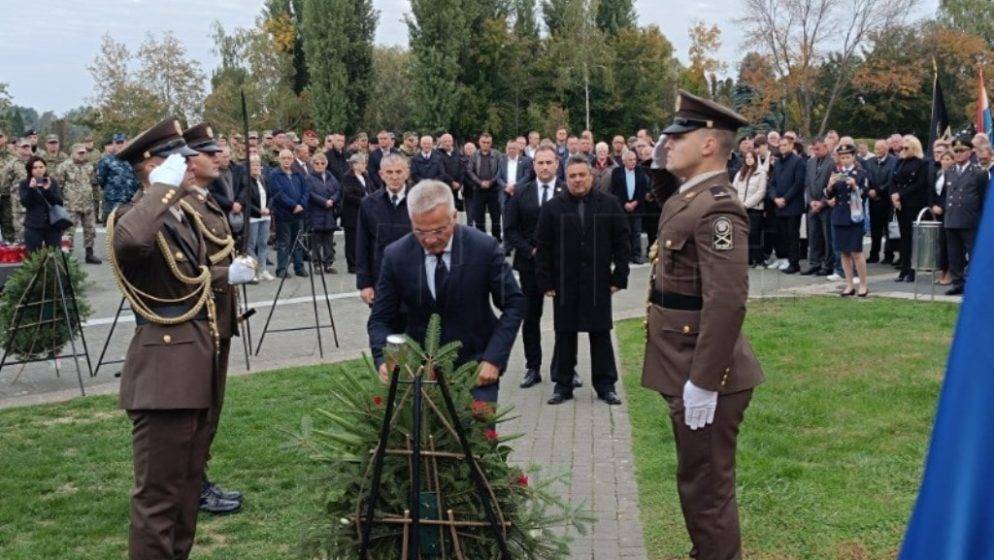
[[427, 163], [452, 164], [581, 233], [630, 184], [334, 150], [880, 167], [520, 221], [482, 170], [457, 272], [382, 220], [385, 142], [786, 190]]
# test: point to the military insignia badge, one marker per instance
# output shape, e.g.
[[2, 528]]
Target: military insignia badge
[[722, 238]]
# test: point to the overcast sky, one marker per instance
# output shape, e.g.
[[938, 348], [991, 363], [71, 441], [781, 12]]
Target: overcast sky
[[48, 46]]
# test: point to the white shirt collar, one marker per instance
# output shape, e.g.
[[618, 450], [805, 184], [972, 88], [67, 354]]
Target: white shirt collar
[[698, 179], [400, 196]]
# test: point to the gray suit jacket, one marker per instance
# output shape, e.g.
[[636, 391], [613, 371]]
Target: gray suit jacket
[[816, 178]]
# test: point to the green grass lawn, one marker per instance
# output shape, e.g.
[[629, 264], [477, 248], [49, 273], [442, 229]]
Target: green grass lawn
[[831, 450]]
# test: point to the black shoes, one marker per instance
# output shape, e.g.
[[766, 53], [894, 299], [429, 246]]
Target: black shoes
[[576, 381], [90, 257], [792, 269], [811, 271], [218, 502], [558, 398], [901, 277], [330, 270], [955, 291], [873, 260], [302, 273], [532, 378], [610, 398], [847, 293]]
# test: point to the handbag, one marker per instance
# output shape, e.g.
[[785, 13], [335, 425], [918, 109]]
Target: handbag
[[236, 221], [893, 229], [855, 206]]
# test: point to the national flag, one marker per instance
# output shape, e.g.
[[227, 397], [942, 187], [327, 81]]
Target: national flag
[[939, 126], [984, 121], [953, 518]]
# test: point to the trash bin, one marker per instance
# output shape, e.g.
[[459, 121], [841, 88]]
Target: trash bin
[[925, 243]]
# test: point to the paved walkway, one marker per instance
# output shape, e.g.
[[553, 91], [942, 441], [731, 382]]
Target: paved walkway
[[584, 437]]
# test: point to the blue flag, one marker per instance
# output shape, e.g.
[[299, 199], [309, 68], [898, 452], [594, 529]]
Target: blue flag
[[953, 518]]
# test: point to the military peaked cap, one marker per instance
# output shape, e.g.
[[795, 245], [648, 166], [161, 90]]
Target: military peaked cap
[[201, 138], [162, 140], [693, 113]]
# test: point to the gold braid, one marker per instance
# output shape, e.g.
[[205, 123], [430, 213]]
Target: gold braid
[[134, 295], [653, 260], [227, 243]]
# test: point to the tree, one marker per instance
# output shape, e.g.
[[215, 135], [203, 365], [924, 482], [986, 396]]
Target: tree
[[439, 33], [615, 15], [704, 41], [282, 20], [797, 35], [393, 107], [969, 16], [525, 24], [121, 102], [176, 81], [338, 37], [645, 86]]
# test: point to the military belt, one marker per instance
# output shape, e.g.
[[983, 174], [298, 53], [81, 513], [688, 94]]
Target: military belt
[[673, 300], [171, 312]]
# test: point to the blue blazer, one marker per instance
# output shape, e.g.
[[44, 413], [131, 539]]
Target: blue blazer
[[287, 192], [478, 273], [788, 182]]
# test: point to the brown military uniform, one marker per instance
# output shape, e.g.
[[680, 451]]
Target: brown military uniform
[[697, 303], [169, 383]]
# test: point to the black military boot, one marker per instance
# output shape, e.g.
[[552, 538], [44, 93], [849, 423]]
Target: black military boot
[[91, 258]]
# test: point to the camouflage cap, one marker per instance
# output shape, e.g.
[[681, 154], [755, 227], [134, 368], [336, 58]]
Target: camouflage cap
[[78, 147], [161, 140], [253, 134], [51, 138], [201, 138]]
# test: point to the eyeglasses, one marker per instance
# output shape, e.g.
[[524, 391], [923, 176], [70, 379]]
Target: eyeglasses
[[435, 232]]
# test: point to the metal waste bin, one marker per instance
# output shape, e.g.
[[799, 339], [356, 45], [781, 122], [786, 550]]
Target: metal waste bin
[[925, 247]]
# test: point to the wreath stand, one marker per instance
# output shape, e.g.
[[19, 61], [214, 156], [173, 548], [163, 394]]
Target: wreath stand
[[423, 515], [303, 242], [52, 274]]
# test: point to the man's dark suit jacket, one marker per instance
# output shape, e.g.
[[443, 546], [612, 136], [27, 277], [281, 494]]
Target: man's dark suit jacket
[[374, 166], [521, 213], [478, 274], [431, 167], [788, 182], [524, 173], [619, 186], [378, 224]]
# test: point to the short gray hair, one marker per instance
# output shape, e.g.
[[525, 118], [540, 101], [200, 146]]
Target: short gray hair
[[392, 158], [428, 195]]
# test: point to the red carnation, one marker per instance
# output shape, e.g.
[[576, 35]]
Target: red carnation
[[378, 400], [490, 434], [522, 480]]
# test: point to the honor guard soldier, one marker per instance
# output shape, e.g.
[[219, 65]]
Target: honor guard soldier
[[170, 381], [212, 224], [966, 186], [696, 356]]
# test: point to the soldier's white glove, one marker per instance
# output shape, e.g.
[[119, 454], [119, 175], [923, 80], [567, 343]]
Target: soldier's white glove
[[171, 172], [698, 405], [241, 270], [658, 155]]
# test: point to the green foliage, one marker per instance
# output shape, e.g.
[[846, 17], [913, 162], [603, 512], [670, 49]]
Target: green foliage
[[344, 433], [439, 34], [33, 293], [393, 106], [970, 16], [615, 15]]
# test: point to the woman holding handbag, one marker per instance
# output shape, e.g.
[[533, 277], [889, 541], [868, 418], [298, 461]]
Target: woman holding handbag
[[909, 194], [40, 195], [845, 190]]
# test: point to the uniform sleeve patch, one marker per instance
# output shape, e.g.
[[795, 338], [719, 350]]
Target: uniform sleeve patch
[[720, 193], [722, 234]]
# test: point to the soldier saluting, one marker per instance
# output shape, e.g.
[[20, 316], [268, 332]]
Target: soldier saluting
[[696, 356], [169, 385]]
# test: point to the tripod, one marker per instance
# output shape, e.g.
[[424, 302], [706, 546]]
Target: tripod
[[302, 242], [412, 520], [56, 290]]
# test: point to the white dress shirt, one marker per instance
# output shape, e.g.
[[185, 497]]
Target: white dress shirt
[[512, 171]]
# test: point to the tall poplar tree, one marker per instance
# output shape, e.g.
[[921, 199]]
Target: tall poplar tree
[[615, 15], [439, 34]]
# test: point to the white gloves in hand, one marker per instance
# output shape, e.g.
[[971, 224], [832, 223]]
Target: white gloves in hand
[[698, 405], [241, 270], [171, 172], [658, 155]]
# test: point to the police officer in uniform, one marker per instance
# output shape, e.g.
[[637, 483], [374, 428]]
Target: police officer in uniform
[[212, 223], [696, 356], [966, 186], [169, 384]]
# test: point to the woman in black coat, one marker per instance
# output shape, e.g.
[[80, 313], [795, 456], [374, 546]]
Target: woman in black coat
[[909, 194], [355, 186], [38, 193], [324, 198]]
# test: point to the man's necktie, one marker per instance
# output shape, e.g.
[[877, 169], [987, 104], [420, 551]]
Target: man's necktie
[[581, 210], [393, 199], [545, 193], [441, 276]]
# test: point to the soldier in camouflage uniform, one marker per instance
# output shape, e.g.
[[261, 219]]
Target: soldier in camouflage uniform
[[52, 155], [7, 155], [10, 178], [75, 176], [116, 178]]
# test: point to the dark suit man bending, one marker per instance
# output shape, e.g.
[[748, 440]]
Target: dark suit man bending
[[520, 221], [581, 234], [630, 184], [456, 272], [382, 220]]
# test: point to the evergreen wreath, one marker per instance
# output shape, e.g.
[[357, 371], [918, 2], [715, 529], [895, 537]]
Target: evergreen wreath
[[43, 329], [345, 435]]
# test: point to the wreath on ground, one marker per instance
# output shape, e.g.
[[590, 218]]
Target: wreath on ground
[[33, 294], [345, 436]]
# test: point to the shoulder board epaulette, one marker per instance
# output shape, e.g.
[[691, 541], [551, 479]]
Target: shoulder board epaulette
[[720, 193]]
